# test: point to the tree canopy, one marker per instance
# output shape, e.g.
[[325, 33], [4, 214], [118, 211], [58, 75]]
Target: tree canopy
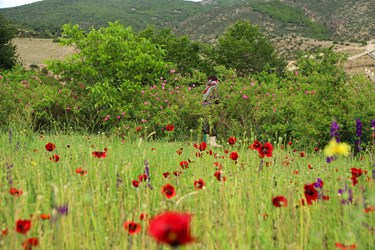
[[8, 57], [244, 48]]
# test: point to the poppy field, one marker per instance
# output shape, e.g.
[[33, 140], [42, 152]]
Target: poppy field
[[98, 192]]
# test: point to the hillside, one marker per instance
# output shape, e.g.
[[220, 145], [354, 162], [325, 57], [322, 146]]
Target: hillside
[[341, 20], [344, 20], [48, 16]]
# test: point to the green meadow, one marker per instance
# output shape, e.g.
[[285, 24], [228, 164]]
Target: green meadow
[[105, 149], [235, 212]]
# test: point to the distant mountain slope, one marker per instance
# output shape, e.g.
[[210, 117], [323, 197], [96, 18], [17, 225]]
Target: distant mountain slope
[[346, 19], [320, 19], [206, 20], [50, 15]]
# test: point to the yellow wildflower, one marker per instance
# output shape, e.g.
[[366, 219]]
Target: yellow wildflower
[[337, 148]]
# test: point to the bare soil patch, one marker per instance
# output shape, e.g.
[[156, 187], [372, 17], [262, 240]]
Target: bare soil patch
[[37, 51]]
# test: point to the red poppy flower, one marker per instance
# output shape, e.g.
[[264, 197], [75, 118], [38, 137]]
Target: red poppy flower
[[15, 192], [309, 166], [23, 226], [256, 145], [142, 177], [169, 127], [280, 201], [171, 228], [166, 174], [80, 171], [184, 164], [290, 143], [139, 128], [233, 156], [199, 184], [354, 181], [99, 154], [45, 216], [310, 193], [345, 247], [357, 172], [202, 146], [232, 140], [179, 151], [168, 191], [135, 183], [218, 165], [369, 209], [29, 243], [143, 216], [265, 150], [219, 177], [55, 158], [177, 173], [50, 146], [4, 232], [302, 154], [132, 227]]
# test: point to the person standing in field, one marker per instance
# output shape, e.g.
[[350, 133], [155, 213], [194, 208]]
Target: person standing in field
[[210, 99]]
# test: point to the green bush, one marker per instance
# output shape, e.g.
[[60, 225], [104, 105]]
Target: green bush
[[298, 106], [36, 102]]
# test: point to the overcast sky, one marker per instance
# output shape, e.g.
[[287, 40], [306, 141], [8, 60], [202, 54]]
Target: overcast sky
[[14, 3]]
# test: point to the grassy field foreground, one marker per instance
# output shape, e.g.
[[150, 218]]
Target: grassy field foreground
[[97, 192]]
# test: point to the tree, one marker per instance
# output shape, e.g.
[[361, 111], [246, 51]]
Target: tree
[[8, 57], [112, 61], [181, 51], [244, 48]]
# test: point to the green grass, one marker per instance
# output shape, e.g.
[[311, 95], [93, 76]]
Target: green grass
[[236, 214]]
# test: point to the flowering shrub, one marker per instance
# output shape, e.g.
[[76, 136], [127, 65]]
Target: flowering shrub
[[299, 106]]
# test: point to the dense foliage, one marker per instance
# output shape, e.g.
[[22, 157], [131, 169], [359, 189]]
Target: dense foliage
[[113, 62], [299, 105], [8, 57], [186, 54], [244, 48]]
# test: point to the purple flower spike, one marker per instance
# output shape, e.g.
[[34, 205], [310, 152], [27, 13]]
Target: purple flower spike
[[330, 159], [359, 127], [63, 209], [372, 125], [348, 193], [335, 129], [318, 183]]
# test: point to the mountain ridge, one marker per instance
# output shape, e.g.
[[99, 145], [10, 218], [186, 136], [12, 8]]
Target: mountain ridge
[[342, 20]]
